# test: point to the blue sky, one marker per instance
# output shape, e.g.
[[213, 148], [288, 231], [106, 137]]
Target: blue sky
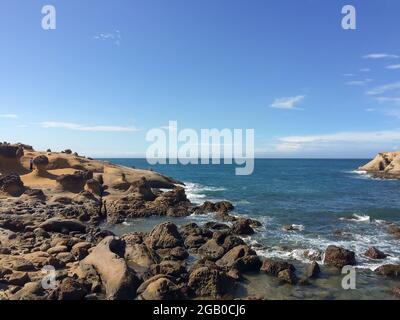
[[112, 70]]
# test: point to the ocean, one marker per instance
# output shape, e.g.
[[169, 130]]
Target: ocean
[[327, 200]]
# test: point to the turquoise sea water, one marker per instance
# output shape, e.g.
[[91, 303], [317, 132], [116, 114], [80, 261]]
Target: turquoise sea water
[[321, 197]]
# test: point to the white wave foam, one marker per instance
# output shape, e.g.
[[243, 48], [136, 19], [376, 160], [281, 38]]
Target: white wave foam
[[357, 218]]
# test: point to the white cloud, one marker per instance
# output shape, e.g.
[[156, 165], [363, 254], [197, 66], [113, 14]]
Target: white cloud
[[287, 147], [365, 70], [79, 127], [380, 56], [287, 102], [370, 110], [393, 66], [358, 82], [9, 116], [114, 37], [384, 88], [352, 137], [395, 100]]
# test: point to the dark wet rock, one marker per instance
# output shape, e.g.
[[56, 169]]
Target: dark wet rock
[[374, 253], [242, 227], [313, 270], [164, 235], [232, 241], [211, 250], [12, 185], [389, 270], [62, 225], [159, 287], [273, 267], [207, 282], [339, 257]]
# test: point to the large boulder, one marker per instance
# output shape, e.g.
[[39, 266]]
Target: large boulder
[[210, 207], [71, 289], [62, 225], [12, 185], [142, 189], [339, 257], [164, 235], [107, 258], [274, 267]]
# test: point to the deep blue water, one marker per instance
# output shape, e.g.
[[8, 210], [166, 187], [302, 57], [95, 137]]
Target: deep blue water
[[314, 194]]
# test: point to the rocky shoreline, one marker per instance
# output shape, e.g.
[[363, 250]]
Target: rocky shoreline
[[385, 165], [52, 217]]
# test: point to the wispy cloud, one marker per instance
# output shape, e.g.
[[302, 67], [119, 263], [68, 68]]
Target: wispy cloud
[[287, 102], [393, 66], [380, 56], [79, 127], [349, 75], [353, 137], [9, 116], [114, 37], [384, 88], [395, 100], [365, 70], [358, 82]]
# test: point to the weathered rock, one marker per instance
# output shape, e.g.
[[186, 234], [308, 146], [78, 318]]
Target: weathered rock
[[169, 267], [374, 253], [207, 282], [140, 257], [17, 278], [94, 187], [11, 185], [339, 257], [107, 258], [74, 182], [165, 235], [195, 241], [159, 287], [71, 289], [80, 250], [57, 249], [211, 250], [62, 225], [40, 163], [389, 270], [30, 291], [209, 207]]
